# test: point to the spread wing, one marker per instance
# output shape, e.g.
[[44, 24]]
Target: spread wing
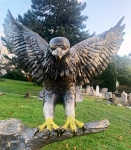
[[29, 47], [94, 54]]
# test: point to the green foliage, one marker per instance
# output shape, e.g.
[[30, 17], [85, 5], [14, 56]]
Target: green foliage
[[124, 80], [123, 67], [124, 75], [118, 70], [29, 111], [109, 77], [53, 18], [15, 75], [122, 62]]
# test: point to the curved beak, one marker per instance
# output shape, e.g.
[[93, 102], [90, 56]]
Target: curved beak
[[57, 53]]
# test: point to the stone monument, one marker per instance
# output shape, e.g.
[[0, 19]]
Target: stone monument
[[97, 90], [108, 95], [104, 90], [79, 97], [92, 91], [87, 91], [123, 98]]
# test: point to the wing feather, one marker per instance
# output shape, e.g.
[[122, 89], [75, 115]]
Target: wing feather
[[94, 54], [26, 44]]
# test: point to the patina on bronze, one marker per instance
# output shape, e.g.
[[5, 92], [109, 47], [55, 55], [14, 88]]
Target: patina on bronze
[[60, 67]]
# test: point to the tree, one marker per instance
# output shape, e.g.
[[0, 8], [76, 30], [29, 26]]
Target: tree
[[123, 66], [53, 18], [124, 76], [122, 62], [109, 77]]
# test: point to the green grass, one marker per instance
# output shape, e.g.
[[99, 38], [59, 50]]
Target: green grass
[[19, 87], [117, 137]]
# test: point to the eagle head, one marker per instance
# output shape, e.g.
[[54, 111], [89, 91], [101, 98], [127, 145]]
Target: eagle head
[[59, 47]]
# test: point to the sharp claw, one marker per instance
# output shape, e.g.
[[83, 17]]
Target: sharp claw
[[57, 131], [74, 132], [84, 128], [37, 131], [48, 132], [62, 131]]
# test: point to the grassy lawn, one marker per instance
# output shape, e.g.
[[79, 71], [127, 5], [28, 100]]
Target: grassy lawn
[[19, 87], [117, 137]]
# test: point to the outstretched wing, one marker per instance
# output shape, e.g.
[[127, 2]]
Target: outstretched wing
[[29, 47], [94, 54]]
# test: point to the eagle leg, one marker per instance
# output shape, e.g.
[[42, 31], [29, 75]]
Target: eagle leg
[[69, 105], [49, 105]]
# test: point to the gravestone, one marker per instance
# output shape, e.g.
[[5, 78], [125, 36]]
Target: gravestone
[[87, 90], [116, 92], [104, 90], [97, 90], [123, 98], [92, 91], [108, 95], [79, 97]]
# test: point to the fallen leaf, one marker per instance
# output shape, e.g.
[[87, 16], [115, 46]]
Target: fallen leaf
[[120, 137], [104, 146], [10, 113], [67, 146]]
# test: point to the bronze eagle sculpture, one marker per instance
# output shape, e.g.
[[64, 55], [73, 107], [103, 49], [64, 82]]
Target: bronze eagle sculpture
[[60, 66]]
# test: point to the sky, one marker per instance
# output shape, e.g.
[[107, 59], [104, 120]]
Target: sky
[[102, 15]]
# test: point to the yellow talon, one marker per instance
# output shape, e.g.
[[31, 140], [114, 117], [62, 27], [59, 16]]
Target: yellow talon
[[49, 124], [72, 123], [79, 123]]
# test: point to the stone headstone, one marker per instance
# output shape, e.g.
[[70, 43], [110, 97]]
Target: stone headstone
[[104, 90], [87, 91], [97, 90], [123, 98], [116, 92], [92, 91], [129, 98], [108, 95], [79, 97]]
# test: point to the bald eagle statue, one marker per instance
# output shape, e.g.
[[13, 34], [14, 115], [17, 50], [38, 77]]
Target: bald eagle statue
[[60, 66]]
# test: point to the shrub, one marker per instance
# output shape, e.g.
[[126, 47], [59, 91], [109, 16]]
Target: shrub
[[124, 80], [125, 88], [15, 75]]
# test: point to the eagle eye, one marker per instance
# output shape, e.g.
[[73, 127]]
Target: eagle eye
[[53, 48]]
